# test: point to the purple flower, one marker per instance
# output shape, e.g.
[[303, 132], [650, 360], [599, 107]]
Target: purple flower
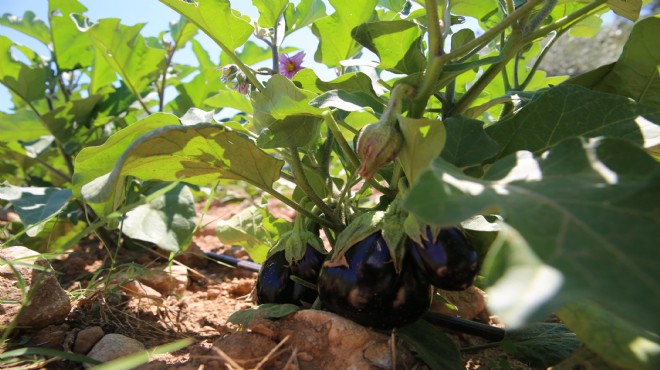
[[290, 66]]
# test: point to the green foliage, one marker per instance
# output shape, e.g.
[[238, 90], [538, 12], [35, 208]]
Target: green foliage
[[556, 184]]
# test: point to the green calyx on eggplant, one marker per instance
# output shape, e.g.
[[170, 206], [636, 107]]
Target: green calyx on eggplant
[[448, 260], [367, 288]]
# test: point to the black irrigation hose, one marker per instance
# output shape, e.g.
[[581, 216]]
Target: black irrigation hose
[[488, 332]]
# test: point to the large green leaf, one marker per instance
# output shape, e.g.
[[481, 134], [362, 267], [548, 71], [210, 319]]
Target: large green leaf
[[269, 11], [95, 161], [290, 132], [19, 78], [587, 212], [423, 141], [125, 50], [199, 154], [626, 8], [541, 344], [73, 49], [334, 31], [467, 143], [570, 110], [226, 98], [303, 14], [349, 82], [637, 72], [71, 117], [193, 93], [626, 345], [29, 25], [24, 125], [216, 19], [35, 205], [167, 220], [397, 44]]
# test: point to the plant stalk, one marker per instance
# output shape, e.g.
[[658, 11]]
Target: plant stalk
[[303, 183]]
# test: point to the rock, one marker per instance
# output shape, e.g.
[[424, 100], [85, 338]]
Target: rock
[[113, 346], [167, 281], [48, 303], [87, 338], [469, 303], [52, 336], [321, 340], [138, 290]]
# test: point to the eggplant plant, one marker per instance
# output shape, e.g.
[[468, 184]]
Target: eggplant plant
[[427, 125]]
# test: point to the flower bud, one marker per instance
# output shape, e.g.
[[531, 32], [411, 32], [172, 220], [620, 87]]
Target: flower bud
[[378, 144]]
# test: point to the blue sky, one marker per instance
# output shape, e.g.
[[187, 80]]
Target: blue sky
[[156, 16]]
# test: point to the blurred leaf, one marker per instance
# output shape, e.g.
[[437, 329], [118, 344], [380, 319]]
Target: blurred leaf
[[216, 19], [226, 98], [35, 205], [269, 11], [334, 31], [303, 14], [467, 143], [568, 206], [182, 31], [348, 101], [253, 228], [587, 27], [193, 93], [423, 140], [637, 72], [167, 221], [626, 345], [264, 311], [95, 161], [397, 44], [199, 154], [124, 49], [73, 48], [29, 25], [585, 359], [19, 78], [202, 55], [474, 8], [253, 54], [541, 345], [75, 115], [393, 5], [569, 110], [626, 8], [24, 125], [461, 37], [432, 345]]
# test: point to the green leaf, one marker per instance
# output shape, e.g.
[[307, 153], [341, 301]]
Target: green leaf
[[182, 31], [349, 82], [423, 141], [264, 311], [102, 75], [216, 19], [467, 143], [19, 78], [71, 117], [432, 345], [637, 72], [303, 14], [202, 55], [474, 8], [587, 27], [29, 25], [397, 44], [167, 220], [393, 5], [95, 161], [254, 229], [349, 101], [569, 207], [626, 8], [124, 49], [334, 31], [626, 345], [291, 132], [569, 110], [199, 154], [35, 205], [24, 125], [73, 49], [252, 53], [226, 98], [193, 93], [541, 345], [269, 11]]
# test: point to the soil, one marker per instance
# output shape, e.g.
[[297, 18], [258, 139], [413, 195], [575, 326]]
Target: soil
[[94, 276]]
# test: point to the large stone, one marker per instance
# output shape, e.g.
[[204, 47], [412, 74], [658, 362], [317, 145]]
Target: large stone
[[87, 338], [113, 346], [47, 303], [318, 340]]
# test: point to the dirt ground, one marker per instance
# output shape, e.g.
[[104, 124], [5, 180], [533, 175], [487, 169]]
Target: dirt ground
[[96, 278]]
